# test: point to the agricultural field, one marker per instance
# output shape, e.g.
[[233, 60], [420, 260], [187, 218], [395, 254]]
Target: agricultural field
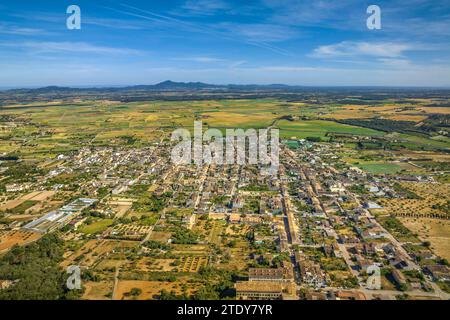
[[101, 122], [25, 202], [148, 290], [437, 232], [380, 167], [9, 239], [93, 251], [97, 290], [319, 128], [424, 200], [96, 226]]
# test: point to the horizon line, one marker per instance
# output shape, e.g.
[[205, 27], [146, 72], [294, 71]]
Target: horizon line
[[119, 86]]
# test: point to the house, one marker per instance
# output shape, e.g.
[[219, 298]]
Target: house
[[216, 216], [389, 249], [398, 277], [369, 249], [234, 218], [337, 188], [371, 233], [344, 239], [372, 189], [363, 263], [424, 255], [271, 274], [14, 187], [251, 219], [438, 272], [400, 262], [372, 205], [310, 272]]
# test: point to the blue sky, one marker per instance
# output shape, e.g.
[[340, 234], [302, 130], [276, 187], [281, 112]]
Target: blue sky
[[298, 42]]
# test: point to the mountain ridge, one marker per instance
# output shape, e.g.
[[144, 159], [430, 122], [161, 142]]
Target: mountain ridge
[[167, 85]]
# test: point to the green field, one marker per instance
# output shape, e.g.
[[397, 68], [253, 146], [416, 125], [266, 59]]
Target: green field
[[97, 123], [21, 208], [319, 128], [97, 226], [380, 168]]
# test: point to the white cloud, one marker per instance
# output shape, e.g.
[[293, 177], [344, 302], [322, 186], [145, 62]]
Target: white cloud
[[289, 69], [396, 63], [259, 31], [225, 63], [201, 59], [203, 7], [342, 14], [21, 31], [75, 47], [374, 49]]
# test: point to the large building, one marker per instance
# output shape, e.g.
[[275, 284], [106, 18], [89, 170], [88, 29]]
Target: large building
[[264, 290], [271, 274], [59, 218]]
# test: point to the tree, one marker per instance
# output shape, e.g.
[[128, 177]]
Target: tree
[[136, 292], [37, 272]]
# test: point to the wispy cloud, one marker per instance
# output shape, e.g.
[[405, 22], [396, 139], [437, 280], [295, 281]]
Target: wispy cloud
[[212, 30], [349, 48], [237, 64], [419, 27], [87, 20], [200, 59], [21, 31], [115, 23], [260, 32], [396, 63], [203, 7], [215, 62], [323, 13], [292, 68], [37, 47]]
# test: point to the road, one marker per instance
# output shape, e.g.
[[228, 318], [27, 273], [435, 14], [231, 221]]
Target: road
[[116, 282]]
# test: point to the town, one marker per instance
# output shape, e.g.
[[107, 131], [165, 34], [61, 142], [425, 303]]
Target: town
[[333, 222]]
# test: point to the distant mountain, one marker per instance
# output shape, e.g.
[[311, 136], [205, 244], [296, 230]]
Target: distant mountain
[[167, 85], [171, 85], [184, 85]]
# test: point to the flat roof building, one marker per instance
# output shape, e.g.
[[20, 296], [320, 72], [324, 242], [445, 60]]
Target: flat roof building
[[264, 290]]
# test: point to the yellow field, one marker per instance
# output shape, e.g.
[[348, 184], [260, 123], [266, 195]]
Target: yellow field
[[93, 250], [32, 196], [150, 289], [430, 193], [437, 232], [9, 239], [97, 290], [233, 120]]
